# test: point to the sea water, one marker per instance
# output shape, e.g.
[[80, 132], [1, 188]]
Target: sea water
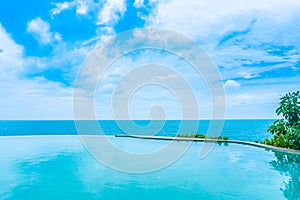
[[249, 130]]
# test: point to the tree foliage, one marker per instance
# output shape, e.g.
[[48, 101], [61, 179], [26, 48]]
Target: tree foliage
[[286, 131]]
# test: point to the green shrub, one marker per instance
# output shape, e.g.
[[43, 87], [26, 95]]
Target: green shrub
[[216, 137], [192, 135], [286, 132], [278, 141], [201, 136], [266, 141]]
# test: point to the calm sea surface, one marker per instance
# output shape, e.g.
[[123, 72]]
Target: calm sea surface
[[249, 130]]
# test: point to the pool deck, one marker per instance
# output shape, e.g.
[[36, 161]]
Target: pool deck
[[211, 140]]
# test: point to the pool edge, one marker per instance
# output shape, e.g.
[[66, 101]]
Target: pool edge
[[293, 151]]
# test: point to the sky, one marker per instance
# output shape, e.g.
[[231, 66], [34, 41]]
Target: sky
[[43, 44]]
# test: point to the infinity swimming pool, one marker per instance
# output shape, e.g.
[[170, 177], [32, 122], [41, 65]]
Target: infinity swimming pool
[[59, 167]]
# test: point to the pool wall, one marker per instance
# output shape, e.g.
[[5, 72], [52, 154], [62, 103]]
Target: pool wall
[[212, 140]]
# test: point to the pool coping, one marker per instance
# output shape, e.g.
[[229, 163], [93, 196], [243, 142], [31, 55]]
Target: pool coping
[[293, 151], [259, 145]]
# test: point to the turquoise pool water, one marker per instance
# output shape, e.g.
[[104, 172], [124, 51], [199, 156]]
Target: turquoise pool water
[[59, 167]]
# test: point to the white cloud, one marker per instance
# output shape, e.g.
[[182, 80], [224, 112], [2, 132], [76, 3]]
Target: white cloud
[[111, 12], [34, 99], [234, 33], [41, 31], [21, 98], [10, 55], [208, 23], [138, 3], [207, 14], [232, 84], [59, 7], [254, 98], [258, 98], [82, 7], [247, 75], [247, 42], [44, 99], [7, 45]]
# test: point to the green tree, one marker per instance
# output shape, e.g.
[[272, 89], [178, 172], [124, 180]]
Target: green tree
[[286, 131]]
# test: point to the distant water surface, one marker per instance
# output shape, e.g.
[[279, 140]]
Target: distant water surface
[[249, 130]]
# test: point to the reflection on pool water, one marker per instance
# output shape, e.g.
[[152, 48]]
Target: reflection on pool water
[[59, 167]]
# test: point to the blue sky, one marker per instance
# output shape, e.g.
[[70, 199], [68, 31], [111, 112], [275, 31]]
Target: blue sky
[[43, 44]]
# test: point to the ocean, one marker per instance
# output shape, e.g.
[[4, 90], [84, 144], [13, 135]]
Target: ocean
[[248, 130]]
